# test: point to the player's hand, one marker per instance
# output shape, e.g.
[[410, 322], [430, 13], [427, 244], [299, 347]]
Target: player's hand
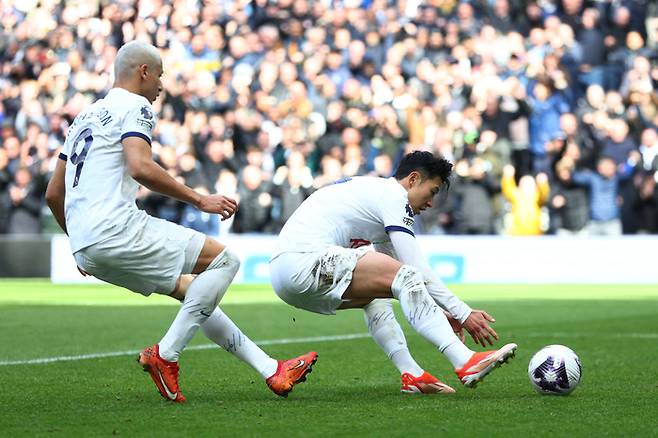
[[477, 324], [222, 205], [456, 326]]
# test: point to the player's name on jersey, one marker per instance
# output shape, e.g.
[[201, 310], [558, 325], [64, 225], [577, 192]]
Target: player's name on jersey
[[102, 114]]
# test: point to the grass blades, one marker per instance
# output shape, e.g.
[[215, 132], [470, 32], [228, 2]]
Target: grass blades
[[353, 390]]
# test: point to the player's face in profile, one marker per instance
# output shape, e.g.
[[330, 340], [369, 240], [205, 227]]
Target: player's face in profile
[[422, 193], [153, 83]]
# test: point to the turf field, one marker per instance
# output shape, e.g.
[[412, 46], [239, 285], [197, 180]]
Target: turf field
[[48, 389]]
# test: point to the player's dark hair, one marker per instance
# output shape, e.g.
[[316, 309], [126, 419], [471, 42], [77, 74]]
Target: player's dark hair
[[429, 166]]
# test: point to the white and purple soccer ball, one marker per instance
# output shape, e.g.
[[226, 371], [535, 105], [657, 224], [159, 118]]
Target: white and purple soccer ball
[[555, 369]]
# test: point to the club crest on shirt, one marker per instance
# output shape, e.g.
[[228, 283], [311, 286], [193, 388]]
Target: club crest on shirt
[[409, 210]]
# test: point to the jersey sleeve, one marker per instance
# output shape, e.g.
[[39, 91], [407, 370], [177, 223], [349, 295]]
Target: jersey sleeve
[[397, 215], [64, 152], [139, 122], [66, 147]]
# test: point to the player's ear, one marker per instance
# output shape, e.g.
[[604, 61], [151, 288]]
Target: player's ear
[[143, 70], [414, 177]]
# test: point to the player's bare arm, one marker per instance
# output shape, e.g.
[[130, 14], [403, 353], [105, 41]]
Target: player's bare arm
[[147, 172], [56, 193], [55, 196]]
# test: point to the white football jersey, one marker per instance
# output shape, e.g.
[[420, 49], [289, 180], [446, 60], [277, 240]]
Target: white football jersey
[[351, 213], [100, 194]]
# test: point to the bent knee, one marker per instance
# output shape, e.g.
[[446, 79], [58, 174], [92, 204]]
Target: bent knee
[[231, 261], [410, 277]]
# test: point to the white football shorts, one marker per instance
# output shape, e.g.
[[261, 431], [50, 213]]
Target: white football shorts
[[315, 281], [146, 257]]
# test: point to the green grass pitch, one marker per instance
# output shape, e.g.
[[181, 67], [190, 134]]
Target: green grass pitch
[[353, 390]]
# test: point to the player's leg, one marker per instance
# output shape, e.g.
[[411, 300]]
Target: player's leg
[[387, 333], [378, 275], [199, 296], [220, 329], [280, 375], [423, 314], [216, 266]]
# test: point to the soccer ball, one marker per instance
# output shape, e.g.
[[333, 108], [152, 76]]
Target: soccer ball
[[555, 369]]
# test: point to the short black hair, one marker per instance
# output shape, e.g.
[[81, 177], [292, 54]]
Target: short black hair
[[428, 164]]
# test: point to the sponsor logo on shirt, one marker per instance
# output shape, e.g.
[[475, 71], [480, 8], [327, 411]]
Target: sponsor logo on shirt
[[146, 118], [357, 243], [145, 123], [408, 220]]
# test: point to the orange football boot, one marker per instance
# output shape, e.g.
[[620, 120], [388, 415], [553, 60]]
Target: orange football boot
[[290, 372], [163, 373], [425, 384], [482, 363]]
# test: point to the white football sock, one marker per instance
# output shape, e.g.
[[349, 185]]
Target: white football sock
[[386, 331], [201, 298], [426, 317], [222, 331]]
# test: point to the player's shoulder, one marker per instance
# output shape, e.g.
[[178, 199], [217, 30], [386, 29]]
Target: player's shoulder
[[373, 188], [386, 193], [367, 182], [393, 190], [127, 102]]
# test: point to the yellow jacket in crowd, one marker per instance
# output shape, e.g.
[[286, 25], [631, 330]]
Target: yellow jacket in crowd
[[526, 200]]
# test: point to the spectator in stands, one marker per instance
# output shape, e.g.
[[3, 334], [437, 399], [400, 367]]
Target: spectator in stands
[[645, 204], [603, 185], [547, 105], [5, 201], [298, 76], [617, 144], [12, 147], [190, 171], [293, 183], [568, 204], [501, 110], [219, 155], [331, 170], [500, 17], [26, 202], [526, 200], [255, 200], [473, 189], [580, 137], [648, 151], [591, 38]]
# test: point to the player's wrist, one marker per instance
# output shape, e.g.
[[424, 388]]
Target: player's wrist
[[464, 315], [197, 199]]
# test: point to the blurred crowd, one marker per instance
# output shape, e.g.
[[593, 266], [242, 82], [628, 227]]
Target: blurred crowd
[[548, 108]]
